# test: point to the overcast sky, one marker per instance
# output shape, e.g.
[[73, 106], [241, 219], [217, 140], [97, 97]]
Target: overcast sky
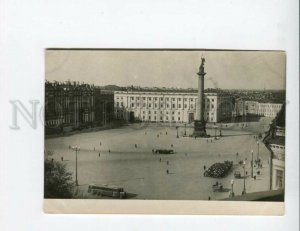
[[225, 69]]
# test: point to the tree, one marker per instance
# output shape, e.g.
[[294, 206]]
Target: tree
[[58, 181]]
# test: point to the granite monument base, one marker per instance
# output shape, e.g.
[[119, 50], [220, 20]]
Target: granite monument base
[[199, 128]]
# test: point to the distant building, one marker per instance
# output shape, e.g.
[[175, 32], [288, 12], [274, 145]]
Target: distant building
[[269, 109], [161, 106], [72, 105], [246, 107]]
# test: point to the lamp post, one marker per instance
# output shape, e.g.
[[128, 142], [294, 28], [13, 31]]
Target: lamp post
[[76, 149], [185, 129], [257, 151], [252, 163], [232, 193], [244, 190], [177, 132]]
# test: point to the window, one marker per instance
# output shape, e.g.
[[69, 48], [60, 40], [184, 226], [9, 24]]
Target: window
[[143, 112], [167, 118], [137, 98], [143, 117], [185, 106], [154, 117], [144, 105], [161, 118], [155, 98], [161, 98], [212, 106], [179, 105], [149, 98], [155, 105], [279, 178], [192, 106], [144, 98], [132, 105], [173, 105], [132, 98], [192, 100], [173, 113], [149, 104], [185, 99], [161, 105], [154, 112], [173, 99], [121, 104], [178, 118], [179, 113], [212, 100], [149, 117], [179, 99], [137, 104], [167, 99], [172, 117], [117, 104], [167, 112], [167, 105], [149, 112]]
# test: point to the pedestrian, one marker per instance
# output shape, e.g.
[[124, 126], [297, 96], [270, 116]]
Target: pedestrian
[[157, 135], [167, 171], [62, 159], [172, 145], [135, 145], [94, 149], [166, 133], [209, 198], [206, 140], [52, 160], [204, 167], [167, 162], [99, 154], [109, 150], [159, 159], [254, 177], [246, 173], [100, 144]]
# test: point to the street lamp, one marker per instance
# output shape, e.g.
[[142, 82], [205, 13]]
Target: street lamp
[[177, 132], [257, 151], [185, 129], [76, 149], [252, 164], [232, 193], [244, 190]]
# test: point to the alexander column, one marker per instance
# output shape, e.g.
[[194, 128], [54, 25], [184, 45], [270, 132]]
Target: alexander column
[[199, 123]]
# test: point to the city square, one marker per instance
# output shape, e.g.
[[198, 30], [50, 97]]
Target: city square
[[124, 157]]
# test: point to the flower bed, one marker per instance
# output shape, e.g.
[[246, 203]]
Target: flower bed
[[219, 170]]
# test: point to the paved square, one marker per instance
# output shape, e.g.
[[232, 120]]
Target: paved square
[[144, 174]]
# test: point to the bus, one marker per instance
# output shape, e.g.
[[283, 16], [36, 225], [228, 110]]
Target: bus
[[105, 190]]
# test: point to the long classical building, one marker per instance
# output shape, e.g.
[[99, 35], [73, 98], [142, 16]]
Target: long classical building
[[246, 107], [163, 106]]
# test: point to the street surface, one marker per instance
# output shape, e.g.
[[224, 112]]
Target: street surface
[[144, 175]]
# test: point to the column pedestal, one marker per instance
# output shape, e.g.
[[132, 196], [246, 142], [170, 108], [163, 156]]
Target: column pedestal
[[199, 128]]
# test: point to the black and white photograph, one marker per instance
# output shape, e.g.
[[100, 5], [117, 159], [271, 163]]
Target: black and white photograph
[[163, 124]]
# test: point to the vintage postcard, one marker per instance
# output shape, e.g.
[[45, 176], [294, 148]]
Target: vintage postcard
[[164, 131]]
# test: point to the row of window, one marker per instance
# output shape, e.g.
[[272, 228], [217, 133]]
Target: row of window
[[155, 105], [161, 99]]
